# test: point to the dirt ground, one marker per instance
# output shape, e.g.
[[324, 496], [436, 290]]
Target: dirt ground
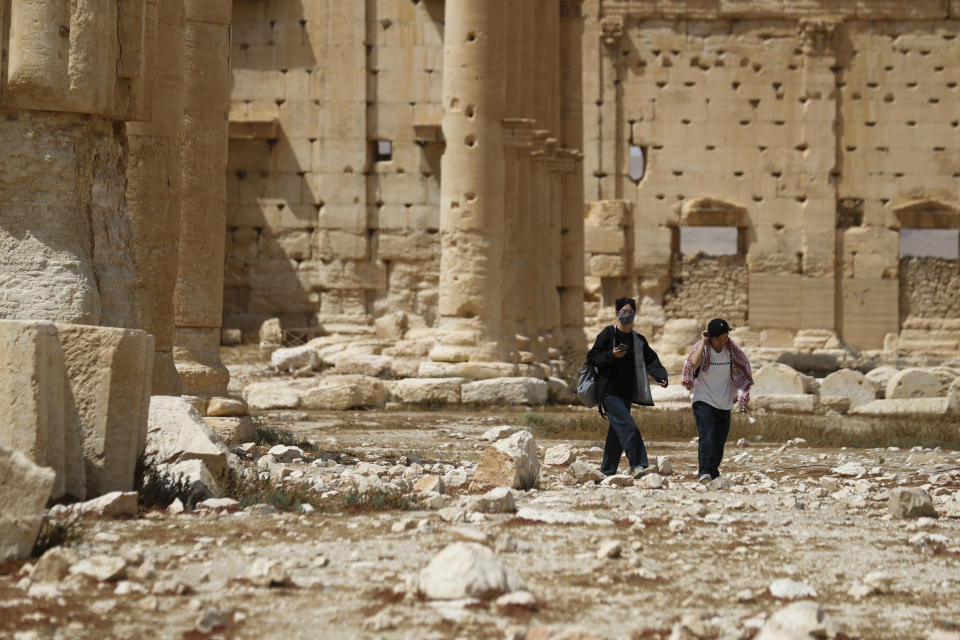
[[688, 553]]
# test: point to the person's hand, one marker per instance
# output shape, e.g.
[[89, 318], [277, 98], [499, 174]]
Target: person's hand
[[619, 351], [705, 335], [664, 383]]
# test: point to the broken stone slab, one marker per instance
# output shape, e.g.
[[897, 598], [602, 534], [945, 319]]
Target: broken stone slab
[[914, 383], [815, 365], [786, 403], [486, 370], [176, 433], [202, 483], [110, 505], [880, 378], [25, 488], [909, 406], [271, 333], [664, 466], [511, 462], [32, 408], [427, 390], [232, 430], [910, 502], [291, 359], [798, 621], [224, 407], [849, 470], [850, 384], [285, 453], [554, 516], [558, 456], [272, 395], [498, 500], [467, 570], [609, 549], [618, 481], [779, 379], [652, 481], [430, 484], [580, 472], [350, 362], [265, 572], [338, 393], [494, 391], [54, 565], [102, 568]]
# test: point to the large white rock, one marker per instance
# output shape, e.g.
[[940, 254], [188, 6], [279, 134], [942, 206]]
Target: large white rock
[[787, 589], [498, 500], [201, 482], [345, 392], [558, 456], [111, 505], [511, 462], [779, 379], [467, 570], [911, 502], [848, 383], [528, 391], [272, 395], [910, 407], [428, 390], [271, 333], [24, 490], [233, 430], [293, 358], [799, 621], [914, 383], [177, 433], [350, 362], [881, 376]]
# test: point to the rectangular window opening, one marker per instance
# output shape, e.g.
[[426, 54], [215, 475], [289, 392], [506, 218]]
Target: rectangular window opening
[[930, 243], [710, 241], [384, 151]]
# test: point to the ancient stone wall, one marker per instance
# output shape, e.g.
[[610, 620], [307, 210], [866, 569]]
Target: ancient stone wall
[[340, 208], [333, 183], [704, 287], [818, 129], [928, 288]]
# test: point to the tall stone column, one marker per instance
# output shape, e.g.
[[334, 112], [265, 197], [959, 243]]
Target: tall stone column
[[198, 296], [471, 208], [153, 197]]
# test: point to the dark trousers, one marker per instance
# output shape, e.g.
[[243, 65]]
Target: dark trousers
[[713, 425], [622, 437]]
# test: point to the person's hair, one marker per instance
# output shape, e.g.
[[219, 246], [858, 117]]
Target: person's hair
[[622, 302]]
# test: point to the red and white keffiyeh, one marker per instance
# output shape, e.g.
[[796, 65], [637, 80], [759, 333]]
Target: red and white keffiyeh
[[740, 372]]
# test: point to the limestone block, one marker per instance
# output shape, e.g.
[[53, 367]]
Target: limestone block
[[880, 377], [558, 391], [430, 369], [203, 484], [910, 502], [196, 353], [110, 373], [505, 391], [910, 407], [295, 358], [272, 395], [778, 379], [913, 383], [484, 370], [679, 335], [361, 363], [177, 433], [32, 410], [786, 402], [607, 266], [24, 490], [610, 213], [851, 384], [341, 392], [811, 364], [340, 245], [428, 390], [604, 240], [391, 326], [232, 430], [271, 332], [223, 407], [511, 462]]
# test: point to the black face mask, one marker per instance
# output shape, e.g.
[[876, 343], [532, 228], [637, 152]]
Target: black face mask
[[626, 317]]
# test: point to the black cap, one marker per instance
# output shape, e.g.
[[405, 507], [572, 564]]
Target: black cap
[[718, 327], [621, 302]]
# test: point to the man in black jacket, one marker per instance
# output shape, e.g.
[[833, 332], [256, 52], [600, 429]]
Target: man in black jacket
[[622, 381]]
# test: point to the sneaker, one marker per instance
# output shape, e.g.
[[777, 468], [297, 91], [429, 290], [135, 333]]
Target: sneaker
[[704, 479], [638, 472]]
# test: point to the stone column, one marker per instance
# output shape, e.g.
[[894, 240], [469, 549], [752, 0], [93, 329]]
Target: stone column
[[610, 145], [153, 197], [198, 296], [471, 209]]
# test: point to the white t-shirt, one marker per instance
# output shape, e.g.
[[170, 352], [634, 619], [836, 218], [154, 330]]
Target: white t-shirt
[[714, 386]]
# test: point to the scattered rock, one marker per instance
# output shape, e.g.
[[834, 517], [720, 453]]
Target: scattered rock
[[516, 600], [427, 391], [511, 463], [467, 570], [223, 407], [110, 505], [210, 620], [652, 481], [498, 500], [494, 434], [292, 359], [911, 503], [218, 504], [430, 483], [849, 470], [54, 565], [285, 453], [24, 491], [609, 549], [272, 395], [580, 472], [268, 573], [787, 589], [664, 466], [618, 481], [720, 483], [798, 621], [677, 525], [101, 568], [342, 392], [177, 433], [558, 456]]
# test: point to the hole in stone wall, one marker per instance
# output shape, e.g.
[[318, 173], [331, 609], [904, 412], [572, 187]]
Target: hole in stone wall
[[711, 241], [638, 162], [849, 213], [471, 37], [930, 243], [470, 141], [384, 151]]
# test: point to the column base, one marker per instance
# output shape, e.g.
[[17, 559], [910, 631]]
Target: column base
[[166, 380], [197, 355]]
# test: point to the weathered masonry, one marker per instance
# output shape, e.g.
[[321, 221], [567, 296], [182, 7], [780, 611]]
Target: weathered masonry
[[820, 133], [410, 158]]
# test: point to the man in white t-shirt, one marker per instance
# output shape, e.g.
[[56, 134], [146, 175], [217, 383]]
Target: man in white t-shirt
[[718, 375]]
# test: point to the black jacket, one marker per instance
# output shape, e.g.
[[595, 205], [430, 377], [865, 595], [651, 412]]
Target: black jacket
[[601, 356]]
